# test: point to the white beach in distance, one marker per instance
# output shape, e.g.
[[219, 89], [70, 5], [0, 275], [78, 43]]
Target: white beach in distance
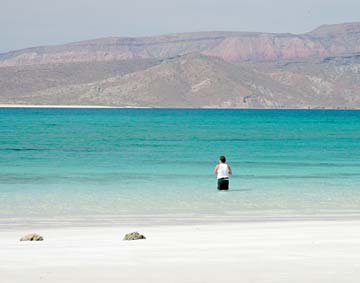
[[63, 106], [296, 252]]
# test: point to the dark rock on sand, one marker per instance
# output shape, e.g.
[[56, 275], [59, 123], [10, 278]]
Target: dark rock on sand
[[134, 236], [32, 237]]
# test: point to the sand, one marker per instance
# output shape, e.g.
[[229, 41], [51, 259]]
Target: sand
[[317, 251], [63, 106]]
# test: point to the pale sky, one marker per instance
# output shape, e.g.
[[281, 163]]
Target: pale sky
[[26, 23]]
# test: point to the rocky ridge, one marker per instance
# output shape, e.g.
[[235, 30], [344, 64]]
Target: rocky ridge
[[319, 69]]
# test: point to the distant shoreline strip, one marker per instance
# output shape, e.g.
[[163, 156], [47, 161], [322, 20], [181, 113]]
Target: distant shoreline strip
[[144, 107], [63, 106]]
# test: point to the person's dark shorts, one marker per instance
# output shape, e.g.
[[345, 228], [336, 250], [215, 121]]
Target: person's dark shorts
[[223, 184]]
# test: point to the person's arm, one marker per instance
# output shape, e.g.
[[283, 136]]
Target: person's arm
[[216, 169], [230, 171]]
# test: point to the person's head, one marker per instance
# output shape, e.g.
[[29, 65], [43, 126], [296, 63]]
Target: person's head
[[222, 159]]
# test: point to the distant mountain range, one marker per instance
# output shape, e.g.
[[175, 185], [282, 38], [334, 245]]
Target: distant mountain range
[[319, 69]]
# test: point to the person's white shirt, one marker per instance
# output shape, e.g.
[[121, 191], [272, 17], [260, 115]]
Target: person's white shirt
[[223, 171]]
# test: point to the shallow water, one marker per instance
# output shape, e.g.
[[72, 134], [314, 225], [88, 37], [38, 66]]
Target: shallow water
[[106, 166]]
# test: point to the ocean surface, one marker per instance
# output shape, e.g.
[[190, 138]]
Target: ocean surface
[[63, 167]]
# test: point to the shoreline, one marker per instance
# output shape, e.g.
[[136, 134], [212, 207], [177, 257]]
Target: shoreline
[[146, 107], [296, 252], [65, 106], [148, 221]]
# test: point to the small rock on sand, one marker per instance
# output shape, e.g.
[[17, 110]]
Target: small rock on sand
[[134, 236], [32, 237]]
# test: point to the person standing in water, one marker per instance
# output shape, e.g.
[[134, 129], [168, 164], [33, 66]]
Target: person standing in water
[[222, 171]]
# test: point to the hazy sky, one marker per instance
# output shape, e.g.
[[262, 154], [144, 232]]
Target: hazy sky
[[25, 23]]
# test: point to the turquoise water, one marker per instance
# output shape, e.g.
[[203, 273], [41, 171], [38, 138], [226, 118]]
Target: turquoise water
[[126, 166]]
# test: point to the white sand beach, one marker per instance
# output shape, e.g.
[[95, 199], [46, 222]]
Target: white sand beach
[[63, 106], [315, 251]]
